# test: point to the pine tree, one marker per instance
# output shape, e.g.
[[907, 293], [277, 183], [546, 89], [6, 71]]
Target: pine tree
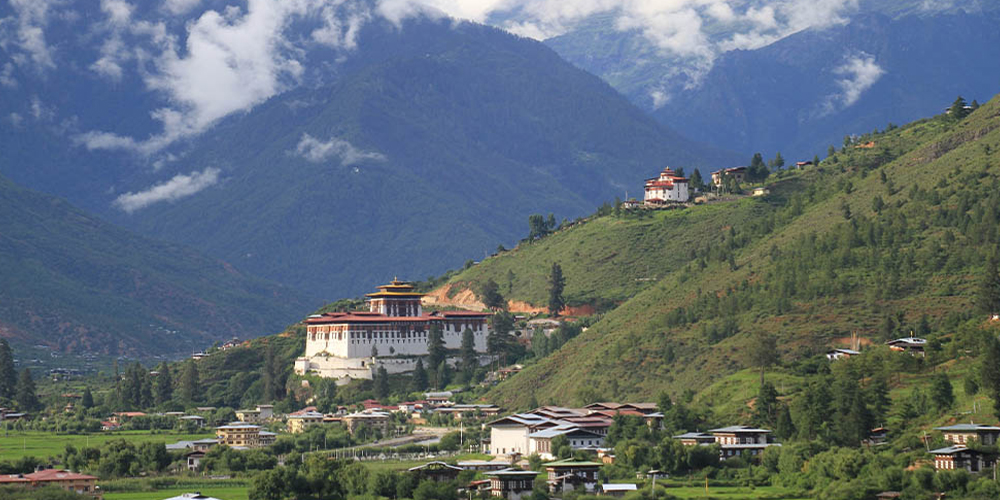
[[419, 377], [942, 393], [989, 372], [25, 395], [830, 151], [164, 384], [87, 401], [696, 181], [988, 290], [189, 383], [958, 110], [443, 375], [763, 353], [489, 293], [271, 376], [8, 374], [765, 410], [778, 162], [758, 170], [467, 353], [436, 352], [381, 383], [556, 285], [784, 428]]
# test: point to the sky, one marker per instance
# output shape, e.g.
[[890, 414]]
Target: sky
[[203, 60]]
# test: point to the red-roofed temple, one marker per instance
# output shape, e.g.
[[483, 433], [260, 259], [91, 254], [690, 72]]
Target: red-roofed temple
[[395, 328]]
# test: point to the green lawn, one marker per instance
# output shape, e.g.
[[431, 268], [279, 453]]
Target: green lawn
[[732, 492], [225, 493], [14, 445]]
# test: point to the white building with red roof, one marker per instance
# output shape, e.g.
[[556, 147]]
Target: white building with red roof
[[393, 333], [668, 187]]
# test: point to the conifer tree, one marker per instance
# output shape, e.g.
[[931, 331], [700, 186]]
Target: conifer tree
[[443, 375], [8, 374], [489, 293], [189, 382], [696, 181], [25, 395], [758, 170], [556, 285], [87, 401], [164, 384], [988, 290], [942, 393], [436, 352], [957, 111], [381, 383], [419, 377], [785, 427], [467, 353], [989, 372]]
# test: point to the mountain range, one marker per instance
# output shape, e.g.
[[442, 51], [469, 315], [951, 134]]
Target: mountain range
[[883, 62], [74, 283]]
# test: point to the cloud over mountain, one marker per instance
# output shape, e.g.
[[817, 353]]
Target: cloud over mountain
[[178, 187]]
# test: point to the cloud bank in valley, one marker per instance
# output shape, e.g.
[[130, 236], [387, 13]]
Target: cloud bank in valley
[[317, 151], [180, 186]]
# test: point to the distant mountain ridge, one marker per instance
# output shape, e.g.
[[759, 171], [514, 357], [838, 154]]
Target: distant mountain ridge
[[76, 284], [780, 95], [434, 145]]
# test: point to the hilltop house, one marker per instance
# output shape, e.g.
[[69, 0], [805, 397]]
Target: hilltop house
[[584, 428], [963, 434], [668, 187], [391, 334], [961, 457], [912, 345], [738, 174], [841, 353]]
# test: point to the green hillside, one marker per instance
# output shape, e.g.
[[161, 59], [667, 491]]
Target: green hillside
[[880, 240], [76, 284]]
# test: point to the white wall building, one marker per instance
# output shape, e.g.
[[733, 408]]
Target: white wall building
[[395, 329], [668, 187]]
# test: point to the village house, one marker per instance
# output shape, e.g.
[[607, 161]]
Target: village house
[[511, 484], [913, 345], [469, 410], [961, 457], [120, 417], [738, 174], [668, 187], [833, 354], [509, 435], [374, 420], [81, 484], [733, 441], [436, 471], [244, 436], [196, 420], [392, 334], [617, 489], [967, 433], [483, 465], [298, 423], [571, 475], [263, 413], [540, 442], [193, 459]]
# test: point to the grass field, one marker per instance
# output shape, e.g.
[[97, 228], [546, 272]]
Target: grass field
[[732, 492], [14, 445], [225, 493]]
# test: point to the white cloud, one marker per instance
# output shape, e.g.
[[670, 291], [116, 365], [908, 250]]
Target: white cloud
[[7, 76], [860, 73], [317, 151], [104, 140], [119, 11], [29, 21], [181, 6], [180, 186]]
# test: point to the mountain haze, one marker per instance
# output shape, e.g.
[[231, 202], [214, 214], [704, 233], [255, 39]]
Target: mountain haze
[[77, 284], [434, 145]]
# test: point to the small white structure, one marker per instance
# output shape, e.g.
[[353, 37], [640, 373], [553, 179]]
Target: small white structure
[[668, 187], [841, 353], [191, 496], [617, 489]]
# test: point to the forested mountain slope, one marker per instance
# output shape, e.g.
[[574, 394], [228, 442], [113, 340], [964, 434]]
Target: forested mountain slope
[[877, 239], [77, 284]]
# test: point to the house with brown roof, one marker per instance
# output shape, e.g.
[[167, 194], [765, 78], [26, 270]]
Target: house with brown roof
[[63, 479]]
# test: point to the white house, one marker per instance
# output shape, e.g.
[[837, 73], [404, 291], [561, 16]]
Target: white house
[[668, 187]]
